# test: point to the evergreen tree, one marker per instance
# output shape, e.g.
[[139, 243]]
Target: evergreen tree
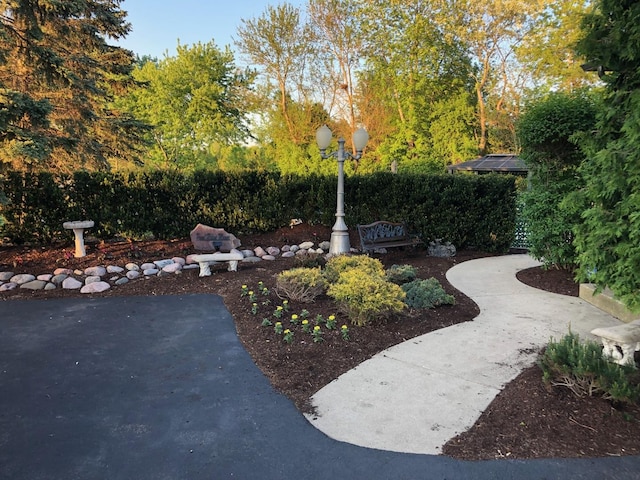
[[58, 77], [608, 240]]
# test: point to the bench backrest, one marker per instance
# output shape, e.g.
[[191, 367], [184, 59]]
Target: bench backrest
[[378, 232]]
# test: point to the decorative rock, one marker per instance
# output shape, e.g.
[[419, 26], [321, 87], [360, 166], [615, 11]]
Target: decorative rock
[[59, 278], [288, 254], [95, 271], [71, 283], [319, 251], [92, 279], [8, 286], [132, 267], [4, 276], [191, 266], [147, 266], [95, 287], [438, 249], [162, 263], [150, 271], [179, 260], [172, 268], [302, 252], [259, 252], [286, 248], [22, 278], [121, 281], [325, 245], [78, 272], [306, 245], [62, 271], [212, 239], [49, 286], [268, 257], [133, 274], [114, 278], [247, 253], [251, 260], [274, 251], [114, 269], [45, 276], [294, 248], [34, 285]]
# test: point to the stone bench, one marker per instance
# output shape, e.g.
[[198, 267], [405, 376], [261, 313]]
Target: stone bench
[[384, 234], [205, 260], [620, 342]]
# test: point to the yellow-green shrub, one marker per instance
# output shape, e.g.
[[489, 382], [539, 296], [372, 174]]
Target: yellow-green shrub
[[342, 263], [365, 297], [300, 284]]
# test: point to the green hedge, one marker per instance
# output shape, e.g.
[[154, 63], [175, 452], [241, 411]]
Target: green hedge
[[469, 211]]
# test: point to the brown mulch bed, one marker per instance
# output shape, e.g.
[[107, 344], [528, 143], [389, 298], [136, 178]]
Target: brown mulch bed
[[525, 421]]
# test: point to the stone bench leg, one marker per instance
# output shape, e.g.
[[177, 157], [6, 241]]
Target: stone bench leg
[[624, 355], [205, 267]]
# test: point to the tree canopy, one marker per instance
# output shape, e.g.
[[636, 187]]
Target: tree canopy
[[58, 79]]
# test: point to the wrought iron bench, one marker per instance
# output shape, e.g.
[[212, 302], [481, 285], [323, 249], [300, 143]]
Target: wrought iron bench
[[384, 234]]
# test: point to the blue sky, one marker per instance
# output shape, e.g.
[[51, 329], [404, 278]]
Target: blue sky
[[158, 24]]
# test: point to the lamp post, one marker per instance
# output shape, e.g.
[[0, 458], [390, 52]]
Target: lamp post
[[340, 233]]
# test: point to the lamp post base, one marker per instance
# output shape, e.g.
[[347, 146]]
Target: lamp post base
[[339, 243]]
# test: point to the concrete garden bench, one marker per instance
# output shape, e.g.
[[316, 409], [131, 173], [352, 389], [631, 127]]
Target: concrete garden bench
[[620, 342], [384, 234], [205, 260]]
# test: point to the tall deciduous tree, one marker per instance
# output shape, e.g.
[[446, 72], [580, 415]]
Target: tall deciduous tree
[[417, 79], [608, 240], [195, 101], [281, 45], [57, 81], [491, 31]]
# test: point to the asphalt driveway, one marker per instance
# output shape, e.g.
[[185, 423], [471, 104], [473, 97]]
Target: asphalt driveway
[[161, 388]]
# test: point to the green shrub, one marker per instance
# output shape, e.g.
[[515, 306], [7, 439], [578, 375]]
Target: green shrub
[[342, 263], [426, 294], [581, 368], [400, 274], [309, 260], [365, 297], [300, 284]]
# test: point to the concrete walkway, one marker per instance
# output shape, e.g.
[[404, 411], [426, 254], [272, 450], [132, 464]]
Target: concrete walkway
[[417, 395]]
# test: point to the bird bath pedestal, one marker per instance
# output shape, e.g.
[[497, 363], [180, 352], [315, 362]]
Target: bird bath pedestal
[[78, 228]]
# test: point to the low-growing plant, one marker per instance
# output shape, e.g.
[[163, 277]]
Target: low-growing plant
[[287, 336], [300, 284], [317, 334], [309, 260], [400, 274], [341, 263], [426, 294], [580, 367], [366, 298]]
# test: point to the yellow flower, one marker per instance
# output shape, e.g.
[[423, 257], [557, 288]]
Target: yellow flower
[[304, 322], [294, 316], [287, 331], [278, 323], [332, 317], [316, 328], [279, 307], [344, 327]]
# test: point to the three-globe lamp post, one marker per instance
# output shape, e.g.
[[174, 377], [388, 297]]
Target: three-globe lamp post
[[340, 233]]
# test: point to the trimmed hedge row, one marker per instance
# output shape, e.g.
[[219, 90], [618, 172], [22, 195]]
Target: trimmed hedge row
[[469, 211]]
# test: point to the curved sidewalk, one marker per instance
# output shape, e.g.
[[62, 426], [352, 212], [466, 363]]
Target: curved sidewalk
[[417, 395]]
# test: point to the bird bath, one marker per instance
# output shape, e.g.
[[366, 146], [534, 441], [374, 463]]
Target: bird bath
[[78, 228]]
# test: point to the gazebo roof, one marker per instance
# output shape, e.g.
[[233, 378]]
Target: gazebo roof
[[495, 162]]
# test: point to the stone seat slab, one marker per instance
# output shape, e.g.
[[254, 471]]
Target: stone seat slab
[[205, 260]]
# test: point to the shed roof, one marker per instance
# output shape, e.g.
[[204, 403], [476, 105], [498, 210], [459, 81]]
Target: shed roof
[[495, 162]]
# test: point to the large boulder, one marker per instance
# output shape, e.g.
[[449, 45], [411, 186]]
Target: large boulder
[[211, 239]]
